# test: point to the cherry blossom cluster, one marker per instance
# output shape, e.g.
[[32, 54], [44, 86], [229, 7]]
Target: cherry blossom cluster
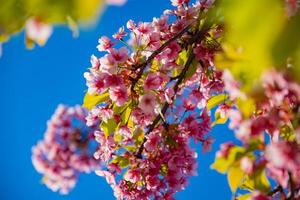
[[66, 150], [277, 114], [150, 101]]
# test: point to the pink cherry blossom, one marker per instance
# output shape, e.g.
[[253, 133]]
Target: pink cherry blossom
[[38, 31], [120, 34], [119, 95], [64, 152], [104, 44], [148, 103]]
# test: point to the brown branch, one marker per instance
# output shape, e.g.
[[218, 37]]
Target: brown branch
[[291, 195], [166, 105], [275, 190], [198, 36]]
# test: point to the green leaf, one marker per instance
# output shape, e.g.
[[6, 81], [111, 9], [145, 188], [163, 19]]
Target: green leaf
[[130, 148], [287, 133], [257, 181], [235, 177], [121, 161], [109, 127], [90, 101], [222, 164], [216, 100], [126, 114], [251, 38], [138, 136], [244, 197], [191, 70], [219, 119], [117, 137], [182, 58]]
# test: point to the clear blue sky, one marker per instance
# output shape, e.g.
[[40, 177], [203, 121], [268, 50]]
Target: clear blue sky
[[34, 82]]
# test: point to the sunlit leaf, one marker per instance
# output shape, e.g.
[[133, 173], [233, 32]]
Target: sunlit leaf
[[109, 127], [222, 164], [235, 177], [243, 197], [121, 161], [90, 101], [219, 119], [251, 39], [216, 100], [257, 181]]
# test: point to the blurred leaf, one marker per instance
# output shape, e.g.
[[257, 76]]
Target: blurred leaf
[[287, 133], [90, 101], [244, 197], [257, 181], [235, 177], [219, 119], [15, 13], [251, 30], [216, 100], [222, 164]]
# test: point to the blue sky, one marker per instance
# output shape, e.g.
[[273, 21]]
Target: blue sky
[[34, 82]]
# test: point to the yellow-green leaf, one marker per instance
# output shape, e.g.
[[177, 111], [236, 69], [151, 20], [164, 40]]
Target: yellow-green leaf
[[90, 101], [244, 197], [216, 100], [222, 164], [235, 177], [109, 127], [121, 161], [219, 119], [257, 181]]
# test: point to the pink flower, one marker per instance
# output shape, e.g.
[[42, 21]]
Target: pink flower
[[144, 28], [93, 117], [119, 95], [114, 80], [120, 55], [283, 155], [154, 81], [104, 44], [110, 177], [222, 110], [152, 182], [120, 34], [114, 168], [125, 132], [247, 165], [169, 94], [161, 24], [152, 141], [171, 52], [65, 151], [131, 25], [206, 145], [224, 150], [232, 86], [108, 64], [38, 31], [148, 103], [95, 62], [96, 82], [133, 175], [179, 2], [106, 146]]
